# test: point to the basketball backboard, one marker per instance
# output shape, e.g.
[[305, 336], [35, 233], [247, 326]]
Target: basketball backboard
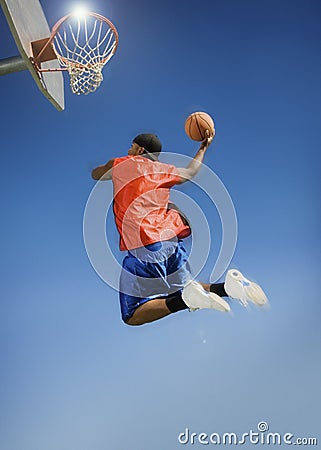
[[28, 23]]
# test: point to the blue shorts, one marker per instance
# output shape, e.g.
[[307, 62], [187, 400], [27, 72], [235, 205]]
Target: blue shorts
[[152, 272]]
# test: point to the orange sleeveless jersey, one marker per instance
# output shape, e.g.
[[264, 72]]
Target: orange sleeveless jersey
[[141, 196]]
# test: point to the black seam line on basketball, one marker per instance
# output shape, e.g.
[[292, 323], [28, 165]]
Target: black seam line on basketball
[[199, 129], [207, 123]]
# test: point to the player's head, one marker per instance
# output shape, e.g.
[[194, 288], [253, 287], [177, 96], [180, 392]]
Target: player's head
[[150, 142]]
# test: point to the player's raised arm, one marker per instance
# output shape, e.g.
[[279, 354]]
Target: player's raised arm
[[104, 171], [194, 166]]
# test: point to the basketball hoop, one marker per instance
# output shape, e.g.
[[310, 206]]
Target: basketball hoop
[[82, 46]]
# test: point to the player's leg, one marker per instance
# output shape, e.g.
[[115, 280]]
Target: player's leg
[[217, 288], [193, 297], [149, 312], [156, 309]]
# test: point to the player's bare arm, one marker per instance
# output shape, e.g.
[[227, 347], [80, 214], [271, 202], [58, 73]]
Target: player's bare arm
[[194, 166], [104, 171]]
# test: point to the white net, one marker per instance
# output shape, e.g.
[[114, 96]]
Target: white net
[[83, 47]]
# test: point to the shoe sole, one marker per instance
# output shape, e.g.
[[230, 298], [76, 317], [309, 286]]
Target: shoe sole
[[240, 288]]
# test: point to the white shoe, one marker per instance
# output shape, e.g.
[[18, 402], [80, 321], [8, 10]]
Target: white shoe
[[240, 288], [196, 297]]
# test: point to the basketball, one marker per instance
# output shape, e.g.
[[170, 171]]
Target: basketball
[[196, 125]]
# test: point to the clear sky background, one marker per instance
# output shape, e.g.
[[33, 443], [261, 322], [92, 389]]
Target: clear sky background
[[73, 376]]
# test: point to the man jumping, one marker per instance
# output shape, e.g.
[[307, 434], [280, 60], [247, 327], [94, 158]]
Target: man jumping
[[156, 279]]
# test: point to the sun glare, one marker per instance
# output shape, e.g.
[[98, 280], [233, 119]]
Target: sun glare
[[80, 11]]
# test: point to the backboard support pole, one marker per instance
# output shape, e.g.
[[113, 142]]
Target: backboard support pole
[[12, 64]]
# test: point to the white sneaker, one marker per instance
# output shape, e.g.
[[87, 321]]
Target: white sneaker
[[196, 297], [240, 288]]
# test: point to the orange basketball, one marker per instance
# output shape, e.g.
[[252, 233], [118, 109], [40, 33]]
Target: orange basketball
[[196, 125]]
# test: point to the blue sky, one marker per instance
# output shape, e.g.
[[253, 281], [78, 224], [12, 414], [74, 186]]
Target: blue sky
[[73, 376]]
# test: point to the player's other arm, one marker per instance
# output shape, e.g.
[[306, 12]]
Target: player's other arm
[[103, 172], [194, 166]]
